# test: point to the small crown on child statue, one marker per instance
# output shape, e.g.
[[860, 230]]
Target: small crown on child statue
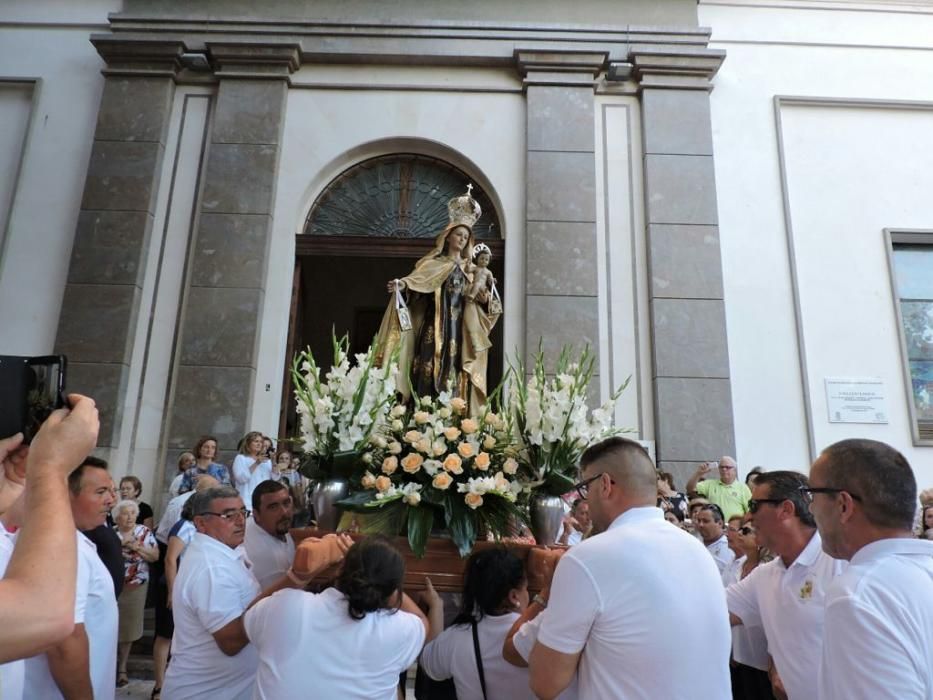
[[464, 210], [481, 248]]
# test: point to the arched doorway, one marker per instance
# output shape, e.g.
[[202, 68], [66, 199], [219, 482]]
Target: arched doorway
[[370, 225]]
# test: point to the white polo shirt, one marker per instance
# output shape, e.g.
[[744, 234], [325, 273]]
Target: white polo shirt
[[11, 673], [310, 647], [96, 609], [171, 516], [619, 598], [749, 644], [524, 641], [721, 553], [788, 603], [878, 632], [451, 655], [212, 589], [270, 556]]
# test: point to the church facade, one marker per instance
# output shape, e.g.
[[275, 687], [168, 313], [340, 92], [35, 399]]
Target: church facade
[[192, 191]]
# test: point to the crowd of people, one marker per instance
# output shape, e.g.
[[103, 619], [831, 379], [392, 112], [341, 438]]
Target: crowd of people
[[779, 586]]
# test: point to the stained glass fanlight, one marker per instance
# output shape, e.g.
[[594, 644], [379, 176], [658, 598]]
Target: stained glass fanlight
[[396, 196]]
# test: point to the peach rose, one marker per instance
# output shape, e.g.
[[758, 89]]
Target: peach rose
[[474, 500], [412, 436], [439, 448], [389, 465], [465, 449], [412, 462], [422, 417], [451, 433], [453, 464], [442, 481], [368, 481], [482, 461], [490, 419], [489, 442], [423, 445], [394, 448], [413, 499], [383, 483], [458, 404], [469, 426], [510, 466], [398, 411]]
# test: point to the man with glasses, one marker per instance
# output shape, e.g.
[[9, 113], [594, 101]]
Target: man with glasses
[[785, 596], [727, 492], [211, 655], [619, 615], [268, 543], [878, 635]]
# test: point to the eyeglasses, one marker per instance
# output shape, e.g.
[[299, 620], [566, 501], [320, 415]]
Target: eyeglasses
[[744, 530], [755, 503], [582, 488], [229, 515], [808, 492]]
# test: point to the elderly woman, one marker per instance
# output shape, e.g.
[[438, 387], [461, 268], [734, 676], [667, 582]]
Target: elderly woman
[[131, 489], [139, 550]]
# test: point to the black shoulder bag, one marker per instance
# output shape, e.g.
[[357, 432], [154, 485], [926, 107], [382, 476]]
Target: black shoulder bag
[[479, 660]]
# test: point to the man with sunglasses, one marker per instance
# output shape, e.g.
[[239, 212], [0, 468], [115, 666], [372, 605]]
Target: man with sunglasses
[[211, 655], [619, 615], [785, 596], [878, 638]]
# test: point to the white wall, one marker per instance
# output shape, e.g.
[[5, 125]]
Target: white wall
[[338, 116], [47, 43], [852, 169]]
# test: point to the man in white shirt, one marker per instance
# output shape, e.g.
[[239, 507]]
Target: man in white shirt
[[710, 525], [211, 655], [172, 512], [878, 635], [618, 613], [84, 664], [785, 596], [268, 544]]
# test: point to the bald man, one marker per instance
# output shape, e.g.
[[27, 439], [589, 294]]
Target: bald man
[[618, 614]]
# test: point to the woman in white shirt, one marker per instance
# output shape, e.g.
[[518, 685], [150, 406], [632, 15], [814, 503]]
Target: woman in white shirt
[[349, 642], [251, 467], [495, 592]]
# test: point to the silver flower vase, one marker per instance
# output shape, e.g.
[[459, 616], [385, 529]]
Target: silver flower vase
[[547, 513], [324, 497]]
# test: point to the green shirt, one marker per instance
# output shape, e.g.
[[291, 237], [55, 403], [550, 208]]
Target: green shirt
[[733, 499]]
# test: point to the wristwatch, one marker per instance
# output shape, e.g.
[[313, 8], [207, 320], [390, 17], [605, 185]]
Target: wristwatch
[[539, 600]]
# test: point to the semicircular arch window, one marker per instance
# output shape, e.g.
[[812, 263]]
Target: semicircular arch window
[[396, 196]]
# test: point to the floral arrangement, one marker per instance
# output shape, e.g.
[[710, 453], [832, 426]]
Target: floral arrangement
[[552, 423], [432, 460], [339, 413]]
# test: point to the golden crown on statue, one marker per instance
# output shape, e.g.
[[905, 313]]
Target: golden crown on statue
[[464, 210]]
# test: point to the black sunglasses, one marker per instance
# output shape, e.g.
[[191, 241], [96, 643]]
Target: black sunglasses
[[583, 487], [755, 503], [808, 492], [744, 530]]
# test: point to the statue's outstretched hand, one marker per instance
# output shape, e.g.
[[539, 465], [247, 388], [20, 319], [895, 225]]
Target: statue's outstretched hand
[[391, 286]]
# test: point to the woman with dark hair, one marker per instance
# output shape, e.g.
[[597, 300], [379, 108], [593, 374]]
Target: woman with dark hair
[[205, 451], [670, 498], [131, 489], [351, 641], [495, 593]]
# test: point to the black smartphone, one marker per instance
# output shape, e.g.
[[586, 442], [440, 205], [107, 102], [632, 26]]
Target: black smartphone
[[30, 389]]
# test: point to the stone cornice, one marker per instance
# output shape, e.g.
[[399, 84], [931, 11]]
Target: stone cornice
[[559, 67], [682, 68], [139, 56], [270, 61]]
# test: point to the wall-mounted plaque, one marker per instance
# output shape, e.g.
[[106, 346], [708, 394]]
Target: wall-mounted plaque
[[855, 400]]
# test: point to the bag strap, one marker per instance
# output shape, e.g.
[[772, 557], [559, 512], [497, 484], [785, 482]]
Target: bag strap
[[479, 660]]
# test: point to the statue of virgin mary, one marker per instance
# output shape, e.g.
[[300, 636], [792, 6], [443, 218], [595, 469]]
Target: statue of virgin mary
[[438, 344]]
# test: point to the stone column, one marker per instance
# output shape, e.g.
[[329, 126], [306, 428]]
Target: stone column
[[560, 208], [221, 314], [105, 277], [692, 394]]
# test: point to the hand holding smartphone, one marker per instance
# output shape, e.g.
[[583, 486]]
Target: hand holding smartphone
[[30, 389]]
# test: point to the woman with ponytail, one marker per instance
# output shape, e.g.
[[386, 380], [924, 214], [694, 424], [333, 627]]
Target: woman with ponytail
[[495, 592], [350, 642]]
